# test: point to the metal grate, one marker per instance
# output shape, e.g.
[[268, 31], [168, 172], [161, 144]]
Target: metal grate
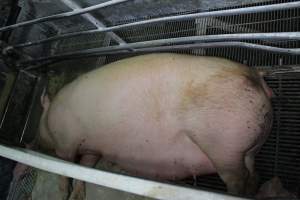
[[281, 153], [22, 188], [276, 21]]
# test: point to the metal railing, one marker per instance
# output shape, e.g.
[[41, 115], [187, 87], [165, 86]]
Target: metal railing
[[206, 41], [224, 40], [238, 11], [125, 183]]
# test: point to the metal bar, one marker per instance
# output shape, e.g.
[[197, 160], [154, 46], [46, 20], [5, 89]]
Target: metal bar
[[97, 23], [229, 12], [183, 40], [295, 51], [124, 183], [11, 56], [32, 102], [12, 18], [62, 15], [179, 47], [278, 119], [9, 101]]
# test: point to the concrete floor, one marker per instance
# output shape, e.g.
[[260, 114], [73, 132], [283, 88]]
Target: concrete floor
[[47, 187]]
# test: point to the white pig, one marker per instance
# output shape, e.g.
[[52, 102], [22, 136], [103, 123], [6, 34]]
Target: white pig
[[163, 116]]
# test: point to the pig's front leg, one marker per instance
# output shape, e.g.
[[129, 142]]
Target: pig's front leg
[[20, 169], [78, 192], [64, 181]]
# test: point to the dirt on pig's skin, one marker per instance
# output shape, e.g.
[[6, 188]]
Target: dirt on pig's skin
[[164, 116]]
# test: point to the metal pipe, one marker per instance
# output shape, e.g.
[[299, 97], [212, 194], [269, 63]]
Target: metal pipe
[[182, 40], [96, 22], [178, 47], [9, 101], [124, 183], [291, 51], [62, 15], [237, 11]]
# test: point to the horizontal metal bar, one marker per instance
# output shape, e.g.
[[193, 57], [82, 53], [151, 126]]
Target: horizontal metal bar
[[124, 183], [62, 15], [293, 51], [238, 11], [181, 47], [186, 40], [177, 47], [96, 22]]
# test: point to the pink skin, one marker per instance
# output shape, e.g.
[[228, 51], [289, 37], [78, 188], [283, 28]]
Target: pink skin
[[165, 117]]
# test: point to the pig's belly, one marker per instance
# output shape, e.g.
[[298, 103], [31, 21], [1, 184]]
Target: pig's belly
[[170, 158]]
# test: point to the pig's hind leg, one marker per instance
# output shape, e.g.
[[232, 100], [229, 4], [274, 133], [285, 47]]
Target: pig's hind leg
[[252, 186], [233, 172], [78, 192], [229, 161], [237, 170]]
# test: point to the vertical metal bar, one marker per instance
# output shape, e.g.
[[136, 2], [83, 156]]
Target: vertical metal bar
[[278, 117], [96, 22], [251, 53], [30, 109], [290, 15], [296, 13], [263, 17], [9, 101], [12, 18], [210, 26], [273, 15], [280, 28], [204, 24]]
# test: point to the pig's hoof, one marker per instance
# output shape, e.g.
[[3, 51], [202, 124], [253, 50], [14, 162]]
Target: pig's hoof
[[20, 171], [77, 195], [252, 187]]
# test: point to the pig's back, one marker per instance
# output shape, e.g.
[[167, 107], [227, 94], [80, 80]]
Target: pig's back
[[135, 112]]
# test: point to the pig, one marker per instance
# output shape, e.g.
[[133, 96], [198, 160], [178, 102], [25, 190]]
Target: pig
[[163, 116]]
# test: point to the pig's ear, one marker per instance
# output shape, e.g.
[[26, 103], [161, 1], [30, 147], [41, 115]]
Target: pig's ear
[[45, 101]]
